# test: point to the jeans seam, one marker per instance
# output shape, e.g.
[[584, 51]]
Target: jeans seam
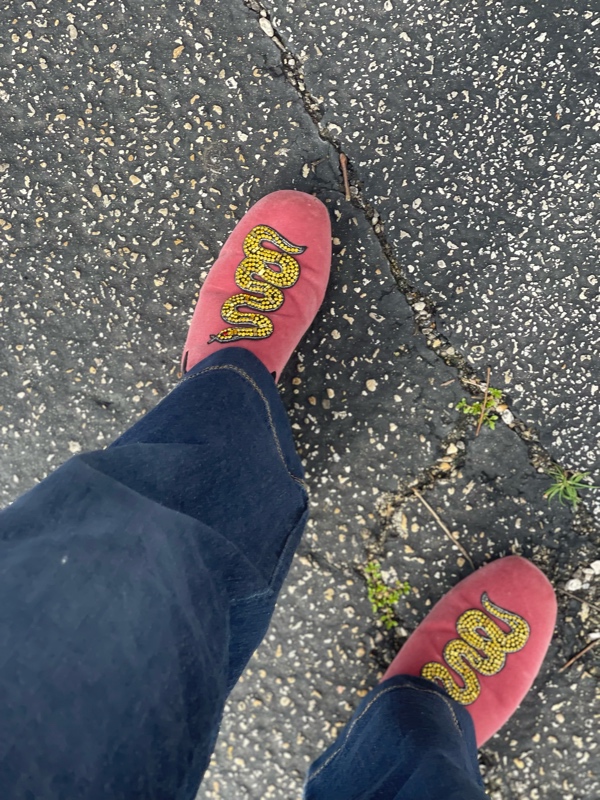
[[267, 592], [261, 394], [369, 705]]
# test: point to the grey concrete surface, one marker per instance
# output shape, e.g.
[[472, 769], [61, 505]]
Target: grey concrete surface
[[132, 140]]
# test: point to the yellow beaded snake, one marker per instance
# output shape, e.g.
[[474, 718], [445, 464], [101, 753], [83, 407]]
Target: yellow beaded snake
[[256, 274], [482, 647]]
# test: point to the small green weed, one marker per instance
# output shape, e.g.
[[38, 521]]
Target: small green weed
[[474, 409], [382, 597], [567, 485]]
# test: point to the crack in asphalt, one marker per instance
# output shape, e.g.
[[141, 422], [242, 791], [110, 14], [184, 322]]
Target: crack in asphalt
[[426, 478], [423, 308]]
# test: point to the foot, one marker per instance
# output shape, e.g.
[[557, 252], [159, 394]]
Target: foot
[[484, 642], [266, 286]]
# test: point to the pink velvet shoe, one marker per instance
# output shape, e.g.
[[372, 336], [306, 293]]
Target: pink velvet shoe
[[265, 288], [484, 642]]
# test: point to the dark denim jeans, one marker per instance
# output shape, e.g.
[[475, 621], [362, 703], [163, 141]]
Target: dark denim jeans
[[135, 583], [407, 740]]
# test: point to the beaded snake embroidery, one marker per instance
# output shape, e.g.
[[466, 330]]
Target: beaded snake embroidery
[[266, 293], [482, 647]]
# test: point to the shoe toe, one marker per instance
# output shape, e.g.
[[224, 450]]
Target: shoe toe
[[485, 640]]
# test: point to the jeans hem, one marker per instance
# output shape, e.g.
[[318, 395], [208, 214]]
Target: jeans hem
[[382, 692]]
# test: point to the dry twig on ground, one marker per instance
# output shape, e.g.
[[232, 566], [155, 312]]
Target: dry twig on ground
[[580, 599], [579, 655], [484, 404], [444, 527], [344, 168]]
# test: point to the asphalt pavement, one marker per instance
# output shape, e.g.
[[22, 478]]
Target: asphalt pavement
[[465, 240]]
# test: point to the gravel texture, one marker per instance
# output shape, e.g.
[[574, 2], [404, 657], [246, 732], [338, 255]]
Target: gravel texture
[[474, 132], [134, 138]]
